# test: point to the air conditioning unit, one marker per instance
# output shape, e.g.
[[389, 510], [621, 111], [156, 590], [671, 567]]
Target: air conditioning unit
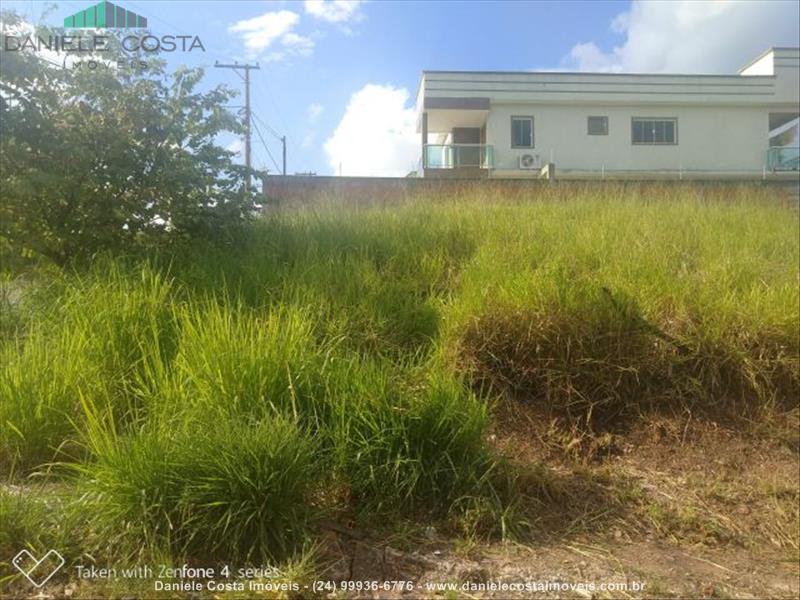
[[530, 161]]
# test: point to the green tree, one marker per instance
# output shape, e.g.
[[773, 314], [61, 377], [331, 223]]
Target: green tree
[[111, 157]]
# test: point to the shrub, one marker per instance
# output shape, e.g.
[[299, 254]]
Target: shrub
[[154, 171]]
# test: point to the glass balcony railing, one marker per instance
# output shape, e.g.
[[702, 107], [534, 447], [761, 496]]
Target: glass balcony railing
[[454, 156], [785, 158]]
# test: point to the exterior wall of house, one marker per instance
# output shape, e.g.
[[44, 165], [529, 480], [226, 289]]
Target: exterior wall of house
[[786, 69], [722, 120], [710, 138]]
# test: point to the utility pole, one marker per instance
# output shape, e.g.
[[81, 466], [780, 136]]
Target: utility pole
[[247, 131], [283, 141]]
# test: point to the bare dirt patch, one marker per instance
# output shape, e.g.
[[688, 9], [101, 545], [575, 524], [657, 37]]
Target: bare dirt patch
[[672, 507]]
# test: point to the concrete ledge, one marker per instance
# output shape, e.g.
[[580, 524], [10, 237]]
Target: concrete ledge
[[666, 175], [720, 176]]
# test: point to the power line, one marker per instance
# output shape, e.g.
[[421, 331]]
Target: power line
[[260, 158], [261, 137], [281, 138], [246, 79], [268, 127], [247, 139], [263, 84]]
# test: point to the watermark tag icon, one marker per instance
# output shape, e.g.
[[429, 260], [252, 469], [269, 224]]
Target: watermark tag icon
[[38, 571]]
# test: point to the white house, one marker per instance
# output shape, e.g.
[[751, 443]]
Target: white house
[[510, 124]]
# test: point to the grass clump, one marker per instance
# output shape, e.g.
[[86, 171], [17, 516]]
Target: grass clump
[[24, 516], [38, 399], [231, 490], [236, 362], [411, 449], [580, 361], [94, 338]]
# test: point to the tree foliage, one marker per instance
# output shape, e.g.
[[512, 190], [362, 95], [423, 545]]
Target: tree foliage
[[111, 157]]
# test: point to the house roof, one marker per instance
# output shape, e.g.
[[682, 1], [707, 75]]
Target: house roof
[[613, 74], [753, 61]]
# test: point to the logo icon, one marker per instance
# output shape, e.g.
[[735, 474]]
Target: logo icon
[[38, 571], [105, 15]]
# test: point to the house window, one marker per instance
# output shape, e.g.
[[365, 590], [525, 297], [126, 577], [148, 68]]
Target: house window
[[597, 125], [654, 131], [522, 132]]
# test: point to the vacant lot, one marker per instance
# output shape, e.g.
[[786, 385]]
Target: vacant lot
[[596, 384]]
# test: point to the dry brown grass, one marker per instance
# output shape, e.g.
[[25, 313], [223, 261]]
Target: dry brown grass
[[599, 367]]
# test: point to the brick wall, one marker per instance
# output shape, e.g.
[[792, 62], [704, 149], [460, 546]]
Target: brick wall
[[304, 189], [297, 190]]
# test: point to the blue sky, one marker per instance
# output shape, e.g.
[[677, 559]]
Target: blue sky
[[339, 78]]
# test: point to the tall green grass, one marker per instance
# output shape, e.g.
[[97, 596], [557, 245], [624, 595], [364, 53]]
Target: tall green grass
[[208, 402], [94, 339], [228, 490], [607, 304]]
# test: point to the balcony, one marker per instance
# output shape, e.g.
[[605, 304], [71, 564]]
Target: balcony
[[458, 156], [785, 158]]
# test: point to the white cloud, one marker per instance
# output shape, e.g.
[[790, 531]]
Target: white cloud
[[588, 57], [264, 31], [298, 44], [687, 36], [315, 109], [334, 11], [620, 23], [377, 134]]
